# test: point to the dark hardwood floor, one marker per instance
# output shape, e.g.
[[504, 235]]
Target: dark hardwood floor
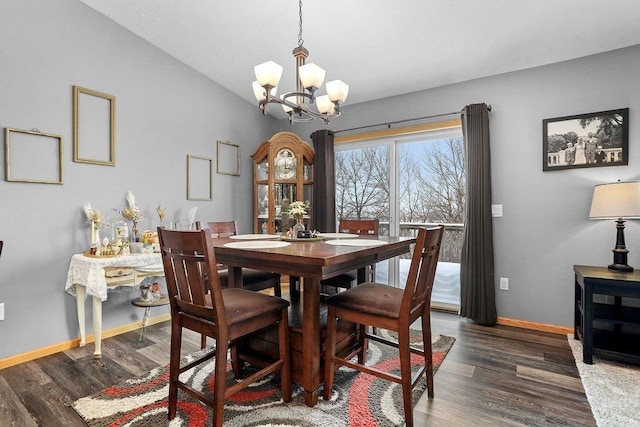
[[492, 376]]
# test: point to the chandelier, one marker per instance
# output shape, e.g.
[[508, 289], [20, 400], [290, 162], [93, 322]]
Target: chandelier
[[309, 78]]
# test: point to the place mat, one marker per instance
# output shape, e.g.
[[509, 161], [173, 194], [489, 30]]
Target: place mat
[[338, 235], [254, 236], [356, 242], [257, 244]]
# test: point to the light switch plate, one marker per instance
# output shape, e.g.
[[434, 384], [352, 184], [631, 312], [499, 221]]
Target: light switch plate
[[496, 211], [2, 311]]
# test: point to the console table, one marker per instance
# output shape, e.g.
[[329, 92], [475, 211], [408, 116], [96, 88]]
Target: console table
[[86, 278], [607, 329]]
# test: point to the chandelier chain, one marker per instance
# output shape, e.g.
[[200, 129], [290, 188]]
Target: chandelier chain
[[300, 40]]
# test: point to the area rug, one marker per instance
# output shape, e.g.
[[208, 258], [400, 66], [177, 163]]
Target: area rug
[[612, 388], [357, 399]]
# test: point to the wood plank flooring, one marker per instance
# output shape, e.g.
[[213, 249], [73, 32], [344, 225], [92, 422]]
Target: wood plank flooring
[[499, 376]]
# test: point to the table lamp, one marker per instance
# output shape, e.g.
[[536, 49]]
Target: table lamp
[[618, 201]]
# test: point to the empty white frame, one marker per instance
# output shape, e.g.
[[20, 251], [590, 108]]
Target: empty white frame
[[33, 156], [94, 127], [199, 178]]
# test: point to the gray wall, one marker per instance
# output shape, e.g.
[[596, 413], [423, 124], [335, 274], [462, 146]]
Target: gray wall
[[165, 110], [545, 230]]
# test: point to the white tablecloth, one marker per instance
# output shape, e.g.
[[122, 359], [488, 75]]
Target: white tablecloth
[[89, 271]]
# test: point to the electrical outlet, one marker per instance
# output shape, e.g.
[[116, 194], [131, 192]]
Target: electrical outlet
[[504, 284], [1, 311]]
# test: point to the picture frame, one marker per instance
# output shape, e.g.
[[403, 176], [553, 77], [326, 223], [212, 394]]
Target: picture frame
[[588, 140], [33, 156], [94, 127], [199, 178], [228, 158]]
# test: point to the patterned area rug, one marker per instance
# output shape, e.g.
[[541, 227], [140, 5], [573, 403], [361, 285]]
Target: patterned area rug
[[357, 400]]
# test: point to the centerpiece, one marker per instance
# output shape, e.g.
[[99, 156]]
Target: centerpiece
[[133, 214]]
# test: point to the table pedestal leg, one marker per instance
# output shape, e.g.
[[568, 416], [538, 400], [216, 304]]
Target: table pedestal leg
[[81, 292], [97, 326]]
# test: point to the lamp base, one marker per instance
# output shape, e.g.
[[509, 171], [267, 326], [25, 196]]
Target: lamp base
[[621, 267]]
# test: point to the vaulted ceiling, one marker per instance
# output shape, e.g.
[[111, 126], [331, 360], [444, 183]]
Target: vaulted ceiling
[[380, 48]]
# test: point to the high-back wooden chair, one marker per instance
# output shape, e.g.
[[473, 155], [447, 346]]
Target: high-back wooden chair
[[199, 303], [362, 227], [395, 309], [253, 280]]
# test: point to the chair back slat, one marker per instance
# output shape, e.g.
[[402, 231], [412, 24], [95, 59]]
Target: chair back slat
[[219, 228], [417, 292], [363, 227], [190, 270]]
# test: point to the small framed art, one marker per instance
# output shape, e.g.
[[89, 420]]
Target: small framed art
[[586, 140]]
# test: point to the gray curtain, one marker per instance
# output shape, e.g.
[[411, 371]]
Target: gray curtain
[[324, 182], [477, 288]]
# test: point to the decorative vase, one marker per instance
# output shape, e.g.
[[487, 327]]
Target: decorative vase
[[299, 226], [134, 232]]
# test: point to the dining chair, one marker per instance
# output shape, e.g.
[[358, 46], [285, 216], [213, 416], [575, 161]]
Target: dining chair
[[253, 280], [361, 227], [199, 303], [386, 307]]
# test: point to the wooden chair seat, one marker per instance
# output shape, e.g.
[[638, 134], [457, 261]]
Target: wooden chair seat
[[199, 303], [386, 307]]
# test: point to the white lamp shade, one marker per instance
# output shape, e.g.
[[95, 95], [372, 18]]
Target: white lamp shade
[[311, 75], [285, 107], [324, 104], [337, 90], [260, 93], [616, 200], [268, 73]]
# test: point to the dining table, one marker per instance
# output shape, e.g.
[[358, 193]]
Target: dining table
[[311, 260]]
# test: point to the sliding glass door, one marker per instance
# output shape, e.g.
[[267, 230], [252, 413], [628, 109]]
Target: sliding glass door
[[407, 183]]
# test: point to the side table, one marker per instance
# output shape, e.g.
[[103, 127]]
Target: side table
[[607, 329]]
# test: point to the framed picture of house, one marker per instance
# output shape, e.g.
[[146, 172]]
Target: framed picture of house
[[586, 140]]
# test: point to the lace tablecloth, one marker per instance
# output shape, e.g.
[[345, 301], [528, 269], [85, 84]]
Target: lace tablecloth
[[89, 271]]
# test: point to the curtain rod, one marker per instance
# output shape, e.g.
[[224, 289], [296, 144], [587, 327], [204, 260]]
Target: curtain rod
[[388, 124]]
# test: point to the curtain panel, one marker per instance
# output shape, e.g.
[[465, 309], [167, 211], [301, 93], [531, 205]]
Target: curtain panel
[[477, 281], [324, 182]]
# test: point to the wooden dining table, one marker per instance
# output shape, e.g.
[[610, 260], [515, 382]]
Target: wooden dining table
[[312, 261]]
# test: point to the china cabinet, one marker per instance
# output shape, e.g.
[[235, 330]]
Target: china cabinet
[[283, 173]]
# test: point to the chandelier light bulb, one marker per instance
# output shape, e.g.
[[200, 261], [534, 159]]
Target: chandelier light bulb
[[324, 104], [285, 107], [260, 92], [311, 76], [337, 90], [268, 73]]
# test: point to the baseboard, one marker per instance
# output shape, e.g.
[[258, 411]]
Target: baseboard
[[544, 327], [56, 348], [67, 345]]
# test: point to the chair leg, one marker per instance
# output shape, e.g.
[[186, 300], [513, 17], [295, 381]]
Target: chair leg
[[363, 343], [220, 382], [405, 374], [236, 363], [285, 355], [277, 289], [203, 341], [174, 367], [428, 352], [329, 353]]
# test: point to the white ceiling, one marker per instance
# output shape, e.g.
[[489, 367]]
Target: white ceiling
[[380, 48]]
